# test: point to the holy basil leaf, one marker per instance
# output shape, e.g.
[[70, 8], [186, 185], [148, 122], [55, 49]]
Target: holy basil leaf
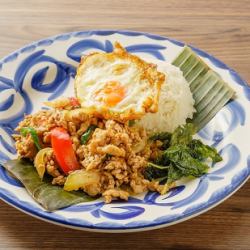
[[86, 136], [183, 134], [131, 123], [182, 156], [164, 137], [202, 152], [162, 160], [160, 136], [29, 130], [182, 160], [174, 174], [154, 171]]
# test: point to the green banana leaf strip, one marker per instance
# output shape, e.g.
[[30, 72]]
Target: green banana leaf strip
[[209, 91], [47, 195]]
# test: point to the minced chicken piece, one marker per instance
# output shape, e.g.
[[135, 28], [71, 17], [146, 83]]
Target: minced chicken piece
[[118, 152], [113, 193]]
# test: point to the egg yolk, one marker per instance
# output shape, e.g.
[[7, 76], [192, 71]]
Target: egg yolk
[[111, 93]]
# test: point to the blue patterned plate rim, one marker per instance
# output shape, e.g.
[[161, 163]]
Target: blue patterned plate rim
[[238, 181], [103, 32]]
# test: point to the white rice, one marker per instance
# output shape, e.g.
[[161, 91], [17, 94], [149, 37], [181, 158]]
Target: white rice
[[176, 102]]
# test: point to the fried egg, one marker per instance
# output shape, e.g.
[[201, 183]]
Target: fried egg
[[118, 85]]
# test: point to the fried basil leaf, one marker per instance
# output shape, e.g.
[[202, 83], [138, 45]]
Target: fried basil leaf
[[181, 156], [183, 134], [182, 161], [202, 152]]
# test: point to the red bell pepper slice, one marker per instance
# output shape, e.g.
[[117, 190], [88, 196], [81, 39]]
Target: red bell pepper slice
[[63, 150], [74, 102]]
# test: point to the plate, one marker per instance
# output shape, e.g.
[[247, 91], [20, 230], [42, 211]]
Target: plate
[[44, 70]]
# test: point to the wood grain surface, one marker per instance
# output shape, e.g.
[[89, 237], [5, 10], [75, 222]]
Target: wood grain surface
[[222, 28]]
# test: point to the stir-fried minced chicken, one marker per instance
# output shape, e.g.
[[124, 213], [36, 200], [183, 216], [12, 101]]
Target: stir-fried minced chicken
[[116, 153]]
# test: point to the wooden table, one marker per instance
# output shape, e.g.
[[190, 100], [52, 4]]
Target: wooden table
[[219, 27]]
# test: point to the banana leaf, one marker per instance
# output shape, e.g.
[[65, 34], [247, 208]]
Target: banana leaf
[[209, 91], [50, 197]]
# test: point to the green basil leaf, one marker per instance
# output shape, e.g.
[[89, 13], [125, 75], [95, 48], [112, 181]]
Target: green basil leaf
[[202, 152], [28, 130], [86, 136], [183, 134]]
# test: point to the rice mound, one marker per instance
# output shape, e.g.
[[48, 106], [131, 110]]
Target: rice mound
[[176, 102]]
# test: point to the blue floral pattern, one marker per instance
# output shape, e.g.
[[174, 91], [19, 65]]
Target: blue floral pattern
[[34, 64], [76, 51], [230, 118]]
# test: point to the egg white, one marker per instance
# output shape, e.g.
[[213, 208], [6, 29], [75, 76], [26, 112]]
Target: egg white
[[100, 68]]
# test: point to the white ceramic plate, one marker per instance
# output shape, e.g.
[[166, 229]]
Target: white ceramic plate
[[45, 70]]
